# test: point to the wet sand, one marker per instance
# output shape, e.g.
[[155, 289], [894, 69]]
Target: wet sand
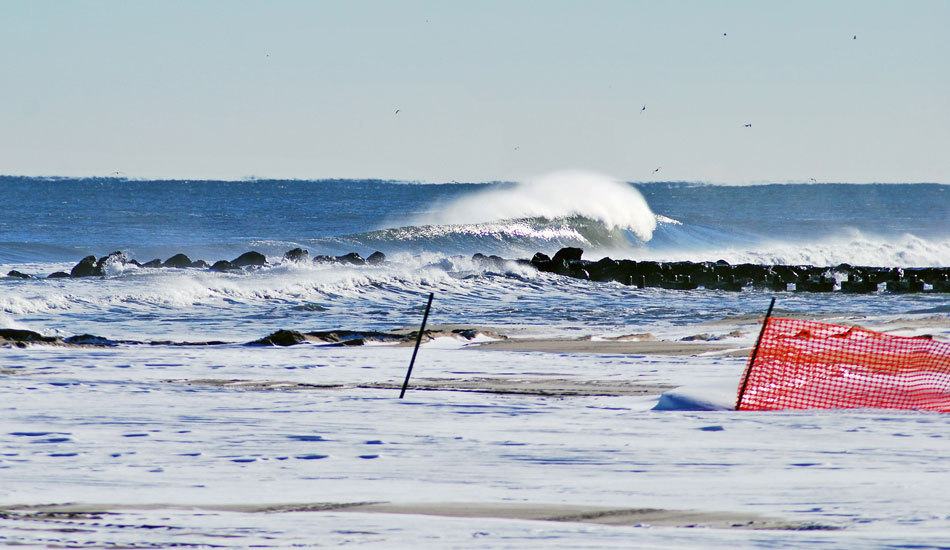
[[79, 514], [611, 347], [553, 387]]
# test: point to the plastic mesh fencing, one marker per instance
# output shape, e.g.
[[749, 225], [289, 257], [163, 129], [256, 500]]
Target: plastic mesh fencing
[[805, 364]]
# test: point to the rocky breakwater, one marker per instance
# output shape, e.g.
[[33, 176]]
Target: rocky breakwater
[[569, 262], [90, 266], [721, 275]]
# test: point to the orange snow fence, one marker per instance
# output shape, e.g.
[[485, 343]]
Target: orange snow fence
[[809, 365]]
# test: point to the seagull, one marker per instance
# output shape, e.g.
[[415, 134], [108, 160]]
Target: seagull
[[724, 34], [397, 112], [657, 169], [643, 109], [855, 37], [748, 125]]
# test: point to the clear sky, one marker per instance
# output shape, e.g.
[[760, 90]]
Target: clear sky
[[484, 90]]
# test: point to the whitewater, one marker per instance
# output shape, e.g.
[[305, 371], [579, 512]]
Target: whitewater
[[179, 433]]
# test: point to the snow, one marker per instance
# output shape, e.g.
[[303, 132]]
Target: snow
[[124, 426]]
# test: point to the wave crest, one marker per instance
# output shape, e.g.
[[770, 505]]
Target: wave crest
[[557, 196]]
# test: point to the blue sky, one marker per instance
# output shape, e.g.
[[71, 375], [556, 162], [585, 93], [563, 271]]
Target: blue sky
[[485, 90]]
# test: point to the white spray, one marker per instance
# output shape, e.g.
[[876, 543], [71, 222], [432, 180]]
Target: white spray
[[559, 195]]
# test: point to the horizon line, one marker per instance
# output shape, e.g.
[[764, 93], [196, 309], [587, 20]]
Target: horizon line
[[248, 179]]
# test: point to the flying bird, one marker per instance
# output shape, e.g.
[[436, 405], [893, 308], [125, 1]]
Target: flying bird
[[855, 37], [748, 125], [643, 109], [397, 112], [657, 169]]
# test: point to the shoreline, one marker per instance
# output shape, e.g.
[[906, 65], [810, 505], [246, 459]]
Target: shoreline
[[613, 347], [77, 513]]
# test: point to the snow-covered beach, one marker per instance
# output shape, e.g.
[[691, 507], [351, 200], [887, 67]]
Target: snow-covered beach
[[310, 445]]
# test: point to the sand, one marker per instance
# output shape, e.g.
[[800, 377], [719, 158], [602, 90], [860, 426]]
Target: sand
[[551, 387], [615, 347], [81, 514]]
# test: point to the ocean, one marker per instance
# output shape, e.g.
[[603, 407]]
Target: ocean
[[157, 423]]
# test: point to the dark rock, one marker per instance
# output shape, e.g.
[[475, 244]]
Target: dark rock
[[540, 257], [786, 273], [351, 258], [644, 274], [578, 271], [542, 263], [771, 282], [201, 264], [568, 253], [297, 255], [561, 267], [907, 284], [18, 275], [729, 284], [544, 267], [605, 269], [821, 283], [754, 272], [135, 263], [222, 265], [493, 262], [942, 284], [249, 259], [280, 338], [89, 340], [376, 258], [86, 268], [58, 275], [358, 338], [883, 274], [153, 263], [116, 257], [703, 273], [25, 336], [856, 285], [323, 259], [679, 282], [928, 275], [178, 260]]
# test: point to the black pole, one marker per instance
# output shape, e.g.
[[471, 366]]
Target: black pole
[[755, 351], [418, 341]]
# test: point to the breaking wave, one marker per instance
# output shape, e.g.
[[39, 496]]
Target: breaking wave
[[568, 195]]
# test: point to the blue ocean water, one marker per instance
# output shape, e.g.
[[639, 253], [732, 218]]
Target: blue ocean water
[[429, 233], [60, 218]]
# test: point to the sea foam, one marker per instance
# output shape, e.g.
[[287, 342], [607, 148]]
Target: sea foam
[[853, 247]]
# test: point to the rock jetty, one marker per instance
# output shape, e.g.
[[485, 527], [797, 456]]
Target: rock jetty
[[569, 262]]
